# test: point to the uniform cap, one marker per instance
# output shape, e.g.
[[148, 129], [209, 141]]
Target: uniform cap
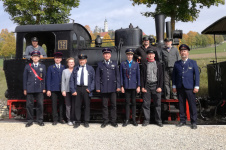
[[184, 47], [82, 56], [150, 51], [145, 38], [167, 40], [129, 51], [35, 53], [34, 39], [106, 50], [58, 54]]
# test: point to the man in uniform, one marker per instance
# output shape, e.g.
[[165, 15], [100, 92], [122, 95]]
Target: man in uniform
[[186, 84], [170, 55], [107, 83], [140, 53], [130, 84], [34, 87], [54, 76], [33, 47], [151, 84], [82, 83]]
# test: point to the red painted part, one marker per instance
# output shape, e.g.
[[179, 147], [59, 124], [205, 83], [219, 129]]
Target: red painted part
[[11, 104], [223, 103]]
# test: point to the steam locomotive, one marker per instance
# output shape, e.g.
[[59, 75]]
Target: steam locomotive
[[73, 39]]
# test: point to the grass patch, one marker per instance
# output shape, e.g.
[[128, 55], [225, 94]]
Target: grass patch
[[211, 49], [202, 63], [3, 85]]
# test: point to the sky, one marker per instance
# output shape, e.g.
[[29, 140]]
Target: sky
[[120, 13]]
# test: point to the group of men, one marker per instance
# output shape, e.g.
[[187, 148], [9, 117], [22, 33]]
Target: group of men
[[109, 79]]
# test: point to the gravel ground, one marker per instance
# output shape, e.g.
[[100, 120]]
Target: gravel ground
[[16, 136]]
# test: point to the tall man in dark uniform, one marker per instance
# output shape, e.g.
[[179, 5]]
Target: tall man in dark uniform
[[170, 55], [151, 85], [186, 84], [140, 53], [34, 87], [82, 83], [107, 83], [54, 76], [130, 84], [34, 47]]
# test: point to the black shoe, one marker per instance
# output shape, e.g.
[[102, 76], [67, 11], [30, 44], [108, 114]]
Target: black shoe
[[41, 123], [29, 124], [135, 123], [86, 124], [54, 123], [145, 123], [180, 124], [160, 124], [114, 124], [62, 121], [76, 125], [193, 126], [125, 123], [104, 125]]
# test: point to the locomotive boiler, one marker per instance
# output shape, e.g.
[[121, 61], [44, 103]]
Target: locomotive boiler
[[73, 39]]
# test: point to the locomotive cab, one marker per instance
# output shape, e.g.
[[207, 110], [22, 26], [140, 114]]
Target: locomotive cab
[[65, 38]]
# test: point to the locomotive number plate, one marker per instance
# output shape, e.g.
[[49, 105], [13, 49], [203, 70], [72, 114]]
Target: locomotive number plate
[[62, 44]]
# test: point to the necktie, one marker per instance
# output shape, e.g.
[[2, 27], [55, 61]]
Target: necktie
[[82, 77], [107, 62], [36, 66]]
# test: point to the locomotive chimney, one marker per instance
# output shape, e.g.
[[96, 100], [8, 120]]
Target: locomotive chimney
[[160, 25], [168, 30]]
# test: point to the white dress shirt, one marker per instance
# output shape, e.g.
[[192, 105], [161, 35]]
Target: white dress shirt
[[35, 65], [58, 65], [85, 75]]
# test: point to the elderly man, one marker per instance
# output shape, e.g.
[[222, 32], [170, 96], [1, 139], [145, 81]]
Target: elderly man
[[82, 83], [140, 53], [170, 55], [34, 87], [108, 83], [186, 84], [151, 86], [34, 47]]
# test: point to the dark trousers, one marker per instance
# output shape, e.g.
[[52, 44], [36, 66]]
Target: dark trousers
[[82, 94], [54, 96], [188, 94], [30, 105], [167, 83], [70, 111], [130, 94], [112, 97], [151, 92]]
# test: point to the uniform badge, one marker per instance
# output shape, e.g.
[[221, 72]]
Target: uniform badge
[[53, 66], [112, 65], [189, 67]]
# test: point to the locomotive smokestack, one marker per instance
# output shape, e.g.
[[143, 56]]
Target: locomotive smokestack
[[168, 30], [160, 26]]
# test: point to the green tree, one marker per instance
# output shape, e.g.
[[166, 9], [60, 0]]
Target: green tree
[[178, 10], [107, 41], [7, 43], [25, 12]]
